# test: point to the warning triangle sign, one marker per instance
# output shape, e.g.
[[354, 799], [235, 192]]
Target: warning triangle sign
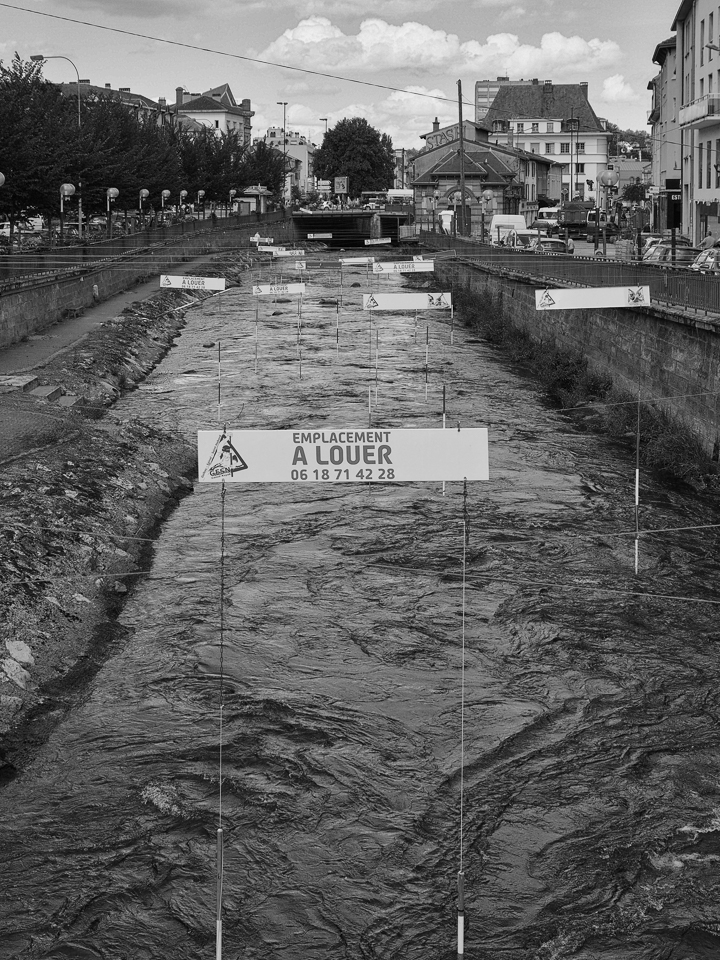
[[546, 300], [371, 302], [165, 281], [636, 296], [225, 460]]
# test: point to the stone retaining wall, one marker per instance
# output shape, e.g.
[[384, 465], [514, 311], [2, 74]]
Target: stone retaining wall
[[32, 309], [664, 356]]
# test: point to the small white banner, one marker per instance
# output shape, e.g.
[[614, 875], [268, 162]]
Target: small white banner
[[264, 249], [192, 283], [300, 265], [350, 261], [407, 301], [277, 252], [319, 236], [378, 240], [591, 298], [258, 239], [277, 289], [404, 266], [342, 456]]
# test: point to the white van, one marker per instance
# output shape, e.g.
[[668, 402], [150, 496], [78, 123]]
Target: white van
[[503, 224], [547, 219]]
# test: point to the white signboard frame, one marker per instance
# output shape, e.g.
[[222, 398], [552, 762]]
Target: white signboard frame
[[168, 282], [277, 289], [404, 266], [592, 298], [355, 261], [342, 455], [277, 252], [407, 301], [262, 248], [379, 240], [319, 236]]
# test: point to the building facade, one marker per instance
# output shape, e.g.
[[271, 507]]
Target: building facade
[[299, 155], [216, 110], [557, 123], [666, 180], [698, 67], [498, 177]]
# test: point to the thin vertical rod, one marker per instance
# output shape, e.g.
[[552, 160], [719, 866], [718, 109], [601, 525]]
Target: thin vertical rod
[[637, 489]]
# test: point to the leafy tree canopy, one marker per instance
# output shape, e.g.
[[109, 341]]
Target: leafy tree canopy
[[354, 149], [629, 142]]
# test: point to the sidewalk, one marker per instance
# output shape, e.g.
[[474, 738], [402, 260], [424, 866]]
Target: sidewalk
[[28, 420]]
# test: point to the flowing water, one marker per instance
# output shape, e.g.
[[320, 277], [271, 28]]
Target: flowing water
[[571, 771]]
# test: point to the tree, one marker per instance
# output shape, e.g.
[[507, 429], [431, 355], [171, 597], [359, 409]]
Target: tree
[[629, 143], [354, 149], [634, 192], [263, 165]]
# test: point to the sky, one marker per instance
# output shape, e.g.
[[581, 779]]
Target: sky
[[395, 62]]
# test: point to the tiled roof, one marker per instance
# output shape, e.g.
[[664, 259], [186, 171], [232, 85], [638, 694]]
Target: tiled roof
[[482, 163], [224, 92], [88, 89], [661, 50], [544, 101], [205, 104]]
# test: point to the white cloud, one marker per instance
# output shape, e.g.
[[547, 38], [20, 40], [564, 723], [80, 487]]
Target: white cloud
[[388, 8], [615, 90], [416, 48]]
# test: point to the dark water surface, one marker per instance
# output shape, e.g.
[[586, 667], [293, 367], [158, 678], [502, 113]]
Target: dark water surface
[[591, 789]]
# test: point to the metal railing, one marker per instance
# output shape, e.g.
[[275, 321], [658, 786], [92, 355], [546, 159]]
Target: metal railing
[[669, 286]]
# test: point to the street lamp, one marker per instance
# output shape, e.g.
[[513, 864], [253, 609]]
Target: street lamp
[[66, 190], [112, 193], [40, 58], [325, 119], [200, 195], [143, 195], [231, 194], [486, 196], [608, 179], [283, 104]]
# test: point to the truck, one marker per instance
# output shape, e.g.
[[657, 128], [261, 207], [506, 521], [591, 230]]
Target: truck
[[573, 217]]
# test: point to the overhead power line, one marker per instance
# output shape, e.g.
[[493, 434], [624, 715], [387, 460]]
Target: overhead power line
[[224, 53]]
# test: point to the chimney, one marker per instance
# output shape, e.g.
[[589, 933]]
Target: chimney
[[108, 86], [162, 103], [584, 88], [436, 124], [124, 89], [536, 81], [84, 81], [179, 96]]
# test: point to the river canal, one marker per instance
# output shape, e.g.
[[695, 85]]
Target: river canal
[[590, 821]]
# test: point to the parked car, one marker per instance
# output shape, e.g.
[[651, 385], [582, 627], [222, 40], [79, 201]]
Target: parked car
[[707, 261], [663, 253], [551, 245]]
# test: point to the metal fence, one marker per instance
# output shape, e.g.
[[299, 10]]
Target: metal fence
[[670, 286], [27, 265]]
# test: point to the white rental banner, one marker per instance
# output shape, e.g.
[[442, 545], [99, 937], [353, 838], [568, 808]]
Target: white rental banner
[[277, 252], [192, 283], [404, 266], [590, 298], [265, 249], [407, 301], [342, 455], [319, 236], [349, 261], [273, 289], [378, 240]]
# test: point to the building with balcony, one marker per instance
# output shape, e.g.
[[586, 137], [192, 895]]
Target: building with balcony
[[216, 110], [698, 67], [664, 121], [556, 122], [299, 155]]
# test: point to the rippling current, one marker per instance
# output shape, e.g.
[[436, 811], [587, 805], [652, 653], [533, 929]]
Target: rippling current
[[589, 744]]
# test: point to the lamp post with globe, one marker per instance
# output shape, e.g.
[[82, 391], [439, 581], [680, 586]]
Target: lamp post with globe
[[112, 193], [486, 196], [66, 190], [607, 179]]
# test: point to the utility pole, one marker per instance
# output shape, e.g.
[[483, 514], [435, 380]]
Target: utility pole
[[462, 160]]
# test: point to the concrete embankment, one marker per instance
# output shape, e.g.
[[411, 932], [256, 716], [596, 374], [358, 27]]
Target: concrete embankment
[[82, 497]]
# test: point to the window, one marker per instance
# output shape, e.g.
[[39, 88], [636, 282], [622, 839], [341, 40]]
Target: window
[[579, 168], [581, 148], [550, 128], [710, 83], [702, 42], [520, 128], [702, 87], [717, 164], [534, 148], [534, 128], [564, 148], [532, 168], [700, 165], [549, 148], [710, 33], [708, 176]]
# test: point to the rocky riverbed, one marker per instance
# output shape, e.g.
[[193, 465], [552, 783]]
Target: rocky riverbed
[[82, 495]]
